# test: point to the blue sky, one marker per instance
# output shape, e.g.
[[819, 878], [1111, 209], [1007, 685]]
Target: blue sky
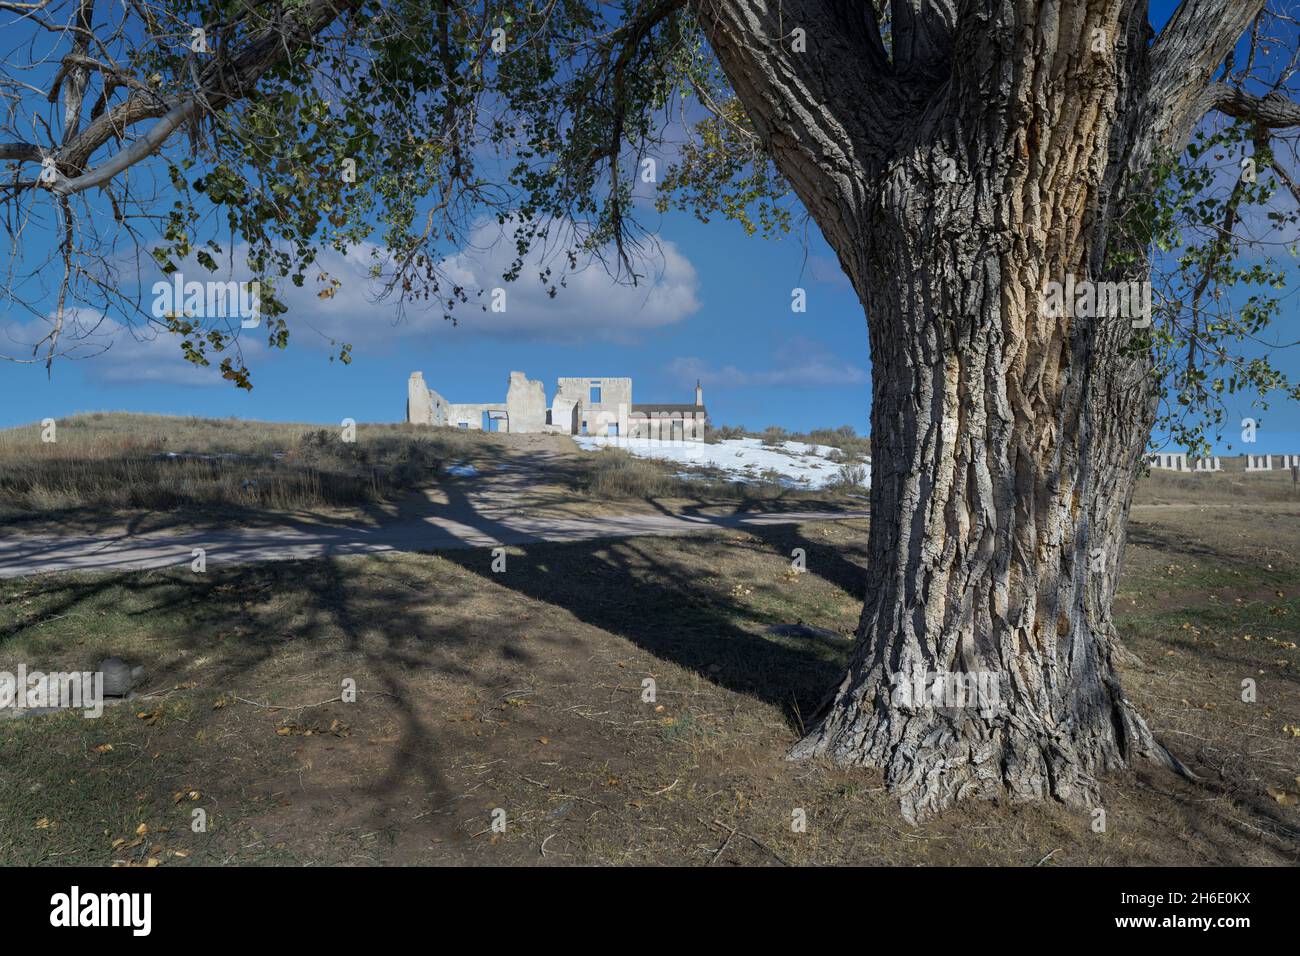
[[719, 311]]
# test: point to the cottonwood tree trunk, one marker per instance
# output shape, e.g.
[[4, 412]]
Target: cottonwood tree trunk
[[1005, 445], [955, 178]]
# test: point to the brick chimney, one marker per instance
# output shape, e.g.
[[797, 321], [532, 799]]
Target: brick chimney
[[699, 394]]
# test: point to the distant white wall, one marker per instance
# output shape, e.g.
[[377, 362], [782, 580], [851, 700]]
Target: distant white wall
[[419, 405], [1168, 461], [615, 400], [526, 404]]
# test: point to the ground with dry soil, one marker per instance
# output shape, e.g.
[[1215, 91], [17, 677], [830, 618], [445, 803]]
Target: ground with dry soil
[[521, 696]]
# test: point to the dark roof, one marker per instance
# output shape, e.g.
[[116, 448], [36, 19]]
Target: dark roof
[[689, 408]]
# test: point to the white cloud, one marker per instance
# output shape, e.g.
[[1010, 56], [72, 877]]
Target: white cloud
[[806, 364], [150, 356], [114, 354], [590, 305]]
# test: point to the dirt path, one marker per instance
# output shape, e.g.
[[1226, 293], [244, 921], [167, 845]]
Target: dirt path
[[25, 555], [477, 515], [489, 508]]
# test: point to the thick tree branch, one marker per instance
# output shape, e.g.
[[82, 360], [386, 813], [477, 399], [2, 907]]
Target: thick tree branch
[[1273, 111], [77, 77], [922, 37], [126, 158], [1193, 44], [22, 152], [225, 79], [820, 93]]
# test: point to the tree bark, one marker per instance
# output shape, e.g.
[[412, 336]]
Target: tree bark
[[1006, 440], [1005, 447]]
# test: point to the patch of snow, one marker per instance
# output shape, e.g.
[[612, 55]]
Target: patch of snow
[[462, 470], [797, 464]]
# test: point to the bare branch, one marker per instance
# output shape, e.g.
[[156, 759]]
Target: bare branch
[[126, 158]]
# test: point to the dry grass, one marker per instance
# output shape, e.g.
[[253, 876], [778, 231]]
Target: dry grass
[[617, 474], [522, 690], [850, 478], [103, 463], [849, 445], [1232, 485], [110, 470]]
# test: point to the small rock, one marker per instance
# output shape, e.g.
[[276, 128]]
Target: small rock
[[119, 676]]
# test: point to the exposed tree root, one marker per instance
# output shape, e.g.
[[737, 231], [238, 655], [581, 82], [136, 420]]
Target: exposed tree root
[[933, 757]]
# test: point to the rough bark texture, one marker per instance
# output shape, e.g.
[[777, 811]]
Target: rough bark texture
[[1005, 441]]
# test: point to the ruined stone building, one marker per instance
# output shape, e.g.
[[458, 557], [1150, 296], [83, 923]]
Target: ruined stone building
[[582, 406]]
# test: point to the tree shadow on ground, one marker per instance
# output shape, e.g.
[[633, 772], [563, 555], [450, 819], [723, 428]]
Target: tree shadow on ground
[[395, 625], [1167, 541], [306, 625], [627, 588]]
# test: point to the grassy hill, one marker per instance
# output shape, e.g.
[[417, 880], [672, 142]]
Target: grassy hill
[[117, 469]]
